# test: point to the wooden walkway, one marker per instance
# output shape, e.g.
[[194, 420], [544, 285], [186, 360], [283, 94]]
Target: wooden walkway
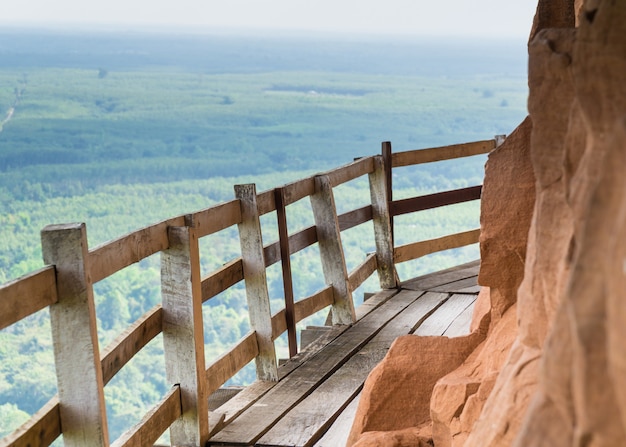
[[314, 402]]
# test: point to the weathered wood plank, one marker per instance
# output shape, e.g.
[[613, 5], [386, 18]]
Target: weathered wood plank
[[471, 289], [418, 249], [220, 280], [183, 335], [435, 279], [265, 202], [382, 226], [216, 218], [285, 257], [339, 431], [231, 362], [316, 302], [363, 271], [41, 430], [308, 420], [302, 239], [115, 255], [154, 423], [75, 337], [258, 418], [299, 190], [408, 158], [461, 324], [297, 241], [443, 317], [436, 200], [355, 217], [351, 171], [27, 295], [257, 295], [456, 286], [252, 393], [331, 250], [130, 342], [374, 302]]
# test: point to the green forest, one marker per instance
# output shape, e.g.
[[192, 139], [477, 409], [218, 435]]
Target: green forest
[[120, 142]]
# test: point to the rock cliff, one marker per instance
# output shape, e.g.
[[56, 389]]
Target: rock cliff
[[552, 368]]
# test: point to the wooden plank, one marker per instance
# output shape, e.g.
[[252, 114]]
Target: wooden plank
[[436, 200], [27, 295], [353, 218], [154, 423], [279, 324], [350, 171], [363, 271], [257, 295], [419, 156], [220, 280], [374, 302], [298, 241], [475, 289], [258, 418], [113, 256], [248, 396], [231, 362], [41, 430], [183, 334], [461, 324], [443, 317], [418, 249], [435, 279], [339, 431], [388, 165], [307, 421], [457, 286], [130, 342], [265, 202], [382, 226], [316, 302], [331, 250], [216, 218], [302, 239], [285, 257], [299, 190], [75, 337]]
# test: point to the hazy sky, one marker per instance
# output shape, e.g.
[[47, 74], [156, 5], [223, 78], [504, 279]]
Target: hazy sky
[[449, 17]]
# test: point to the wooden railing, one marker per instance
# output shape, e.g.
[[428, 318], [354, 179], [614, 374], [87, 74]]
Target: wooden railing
[[65, 286]]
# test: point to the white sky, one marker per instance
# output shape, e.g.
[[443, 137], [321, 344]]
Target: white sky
[[432, 17]]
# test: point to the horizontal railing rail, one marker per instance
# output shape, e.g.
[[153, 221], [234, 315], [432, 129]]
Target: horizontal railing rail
[[65, 287]]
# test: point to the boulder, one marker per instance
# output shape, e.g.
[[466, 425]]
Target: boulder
[[396, 394]]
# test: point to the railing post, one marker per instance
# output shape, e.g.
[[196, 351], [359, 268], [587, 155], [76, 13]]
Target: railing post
[[285, 257], [75, 338], [256, 282], [331, 250], [388, 168], [183, 339], [382, 226]]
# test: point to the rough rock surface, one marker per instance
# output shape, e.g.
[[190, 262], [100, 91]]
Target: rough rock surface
[[563, 380], [458, 398], [396, 394], [571, 304], [505, 216]]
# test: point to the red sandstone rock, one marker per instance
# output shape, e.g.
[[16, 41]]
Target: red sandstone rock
[[564, 380], [458, 398], [409, 437], [396, 395], [505, 216], [581, 396]]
